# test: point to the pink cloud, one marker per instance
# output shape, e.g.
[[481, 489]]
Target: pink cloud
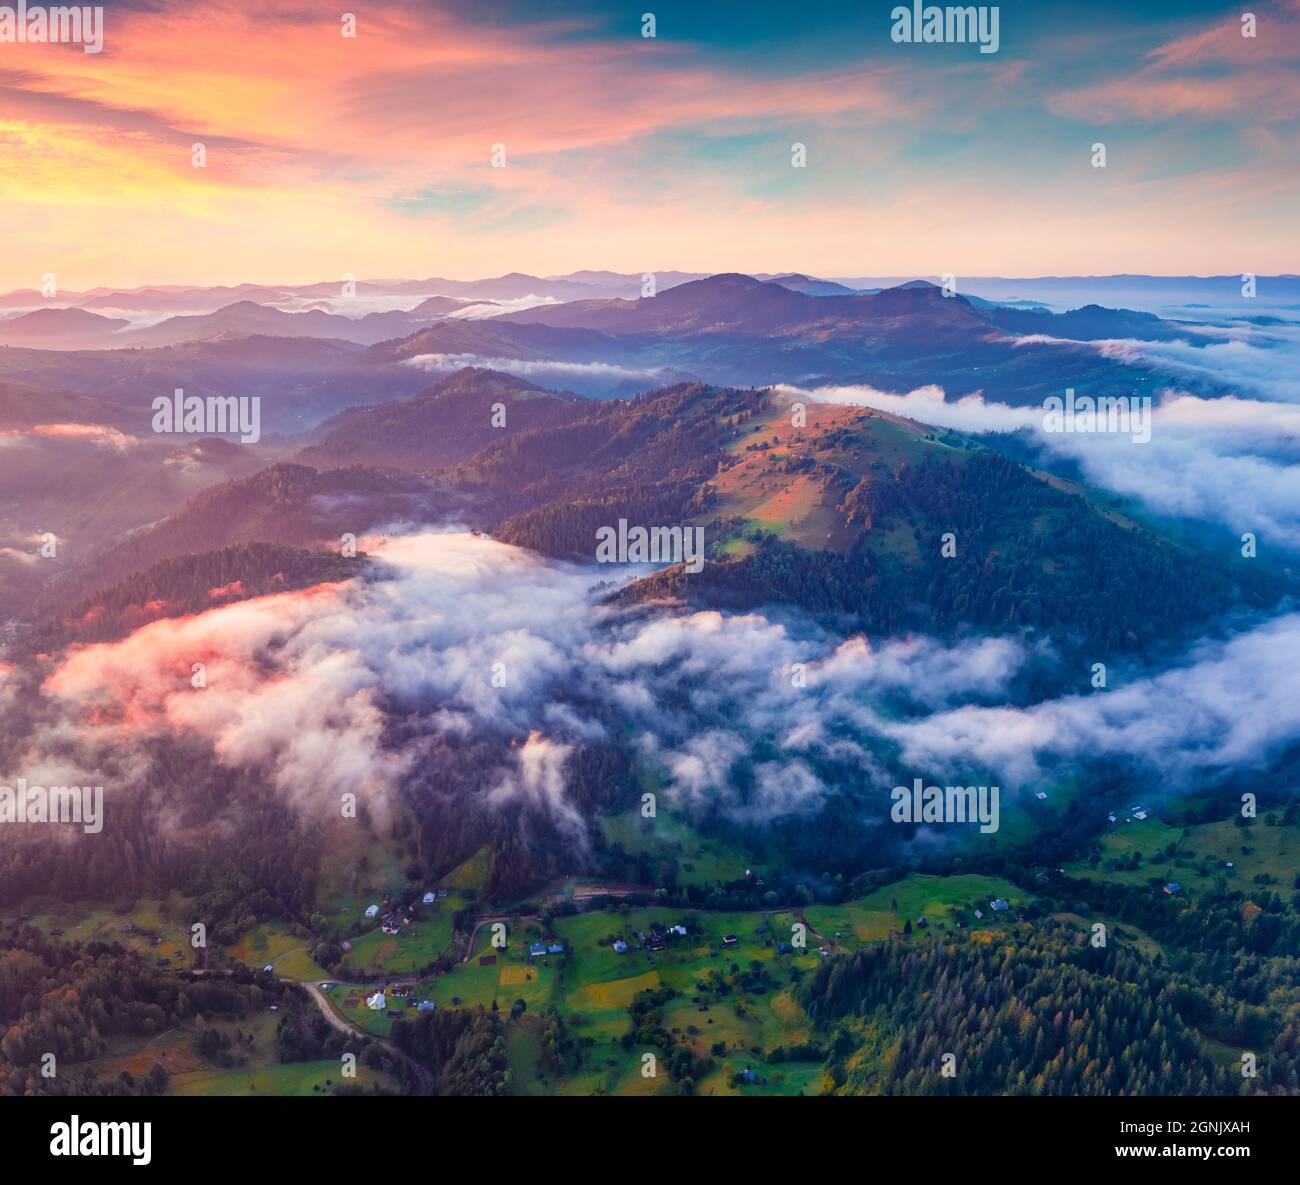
[[1212, 73]]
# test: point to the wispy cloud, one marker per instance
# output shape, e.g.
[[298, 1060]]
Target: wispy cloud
[[373, 152]]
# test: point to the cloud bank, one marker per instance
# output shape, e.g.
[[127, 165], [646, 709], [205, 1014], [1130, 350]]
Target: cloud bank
[[754, 717]]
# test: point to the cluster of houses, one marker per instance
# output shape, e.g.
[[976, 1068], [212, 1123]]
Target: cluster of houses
[[657, 939], [393, 920], [547, 947], [398, 996], [1137, 812]]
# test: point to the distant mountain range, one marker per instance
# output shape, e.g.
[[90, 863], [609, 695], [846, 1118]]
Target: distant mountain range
[[728, 329], [77, 328], [363, 296]]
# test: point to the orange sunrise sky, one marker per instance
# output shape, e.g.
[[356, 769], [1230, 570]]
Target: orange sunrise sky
[[371, 155]]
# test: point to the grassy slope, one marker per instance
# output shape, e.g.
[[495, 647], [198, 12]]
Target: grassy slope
[[1203, 851]]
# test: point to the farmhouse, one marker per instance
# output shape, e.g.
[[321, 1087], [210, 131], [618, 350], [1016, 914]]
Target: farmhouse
[[729, 940], [429, 898], [1000, 903], [1173, 888], [555, 948], [426, 1006], [377, 1003], [372, 911], [538, 948], [620, 947]]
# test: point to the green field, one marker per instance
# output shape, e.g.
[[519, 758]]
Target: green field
[[294, 1078], [376, 954], [472, 875], [1123, 932], [700, 859], [277, 944], [1201, 855], [940, 900], [157, 929], [257, 1069]]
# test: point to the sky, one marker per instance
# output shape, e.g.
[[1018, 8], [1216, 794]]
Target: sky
[[372, 155]]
